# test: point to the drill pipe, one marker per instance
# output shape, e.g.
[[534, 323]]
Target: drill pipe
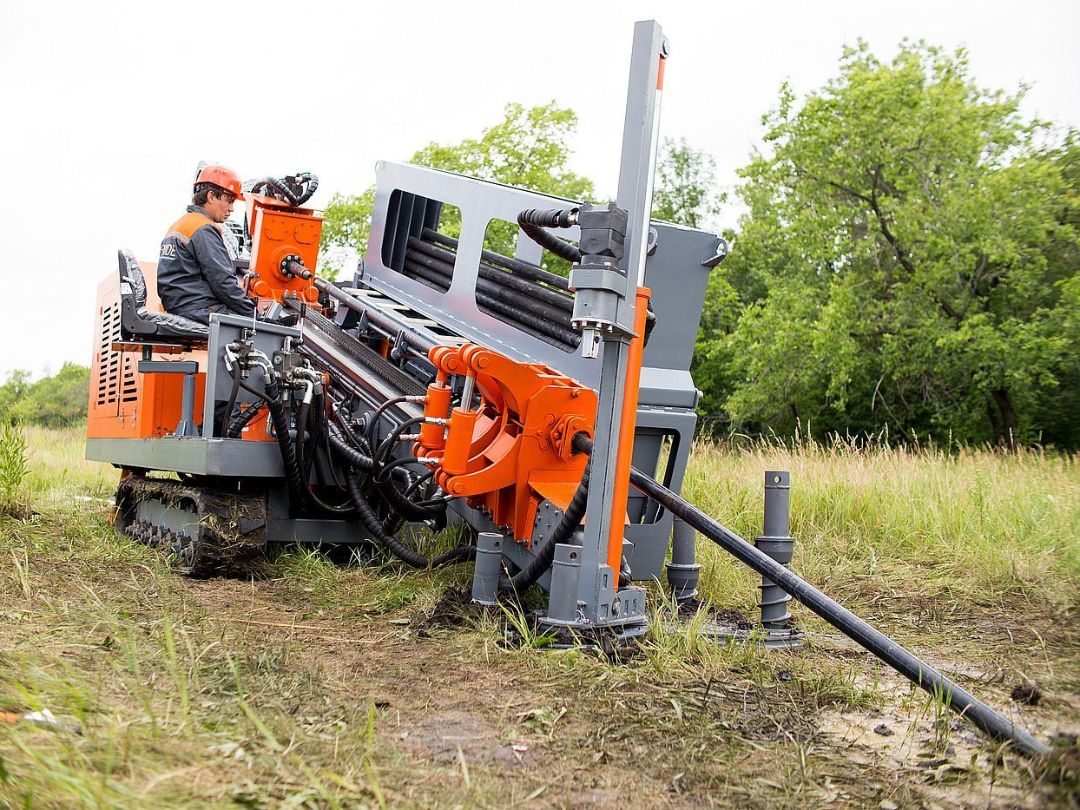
[[512, 313], [520, 300], [922, 675], [523, 269], [545, 294], [381, 321]]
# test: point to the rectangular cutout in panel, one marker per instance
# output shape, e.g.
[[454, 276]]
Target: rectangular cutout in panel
[[521, 294], [406, 249]]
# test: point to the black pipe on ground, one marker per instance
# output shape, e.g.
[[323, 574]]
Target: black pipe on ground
[[922, 675]]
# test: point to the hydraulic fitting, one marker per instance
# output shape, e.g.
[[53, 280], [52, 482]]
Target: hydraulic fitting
[[597, 279]]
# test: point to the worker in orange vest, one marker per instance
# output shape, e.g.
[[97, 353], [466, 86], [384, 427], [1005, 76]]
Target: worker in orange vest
[[195, 273]]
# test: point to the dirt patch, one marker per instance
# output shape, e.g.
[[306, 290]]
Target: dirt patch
[[455, 735], [454, 609]]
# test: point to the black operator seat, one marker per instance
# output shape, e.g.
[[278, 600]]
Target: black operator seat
[[139, 324]]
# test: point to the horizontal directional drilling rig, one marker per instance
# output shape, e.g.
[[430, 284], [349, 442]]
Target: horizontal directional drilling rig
[[453, 382]]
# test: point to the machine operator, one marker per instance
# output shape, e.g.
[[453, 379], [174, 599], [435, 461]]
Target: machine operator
[[195, 274]]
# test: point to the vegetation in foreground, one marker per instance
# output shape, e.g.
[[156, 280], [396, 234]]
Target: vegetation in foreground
[[327, 685]]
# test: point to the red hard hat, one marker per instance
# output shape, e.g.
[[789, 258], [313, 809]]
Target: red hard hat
[[221, 177]]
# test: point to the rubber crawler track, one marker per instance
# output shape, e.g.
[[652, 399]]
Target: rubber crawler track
[[231, 540]]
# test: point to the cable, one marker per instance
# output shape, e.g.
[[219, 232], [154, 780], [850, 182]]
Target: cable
[[369, 432], [237, 426], [545, 555], [402, 552]]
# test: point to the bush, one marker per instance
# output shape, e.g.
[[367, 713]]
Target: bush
[[57, 401], [13, 469]]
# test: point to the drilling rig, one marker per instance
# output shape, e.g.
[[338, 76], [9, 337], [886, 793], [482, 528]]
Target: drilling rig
[[544, 419]]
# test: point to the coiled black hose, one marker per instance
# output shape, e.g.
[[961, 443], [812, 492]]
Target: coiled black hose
[[242, 421], [533, 221], [312, 185], [395, 498], [295, 189], [407, 555], [284, 193]]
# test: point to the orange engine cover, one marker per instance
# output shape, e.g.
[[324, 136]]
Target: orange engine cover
[[125, 404]]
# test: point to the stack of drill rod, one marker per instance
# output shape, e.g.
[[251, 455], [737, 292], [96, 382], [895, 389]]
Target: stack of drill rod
[[518, 293]]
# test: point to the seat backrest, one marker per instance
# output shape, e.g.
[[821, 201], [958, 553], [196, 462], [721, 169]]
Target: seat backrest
[[131, 273]]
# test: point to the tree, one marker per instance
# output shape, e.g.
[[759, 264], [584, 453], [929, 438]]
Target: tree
[[900, 261], [685, 185], [53, 401], [528, 148]]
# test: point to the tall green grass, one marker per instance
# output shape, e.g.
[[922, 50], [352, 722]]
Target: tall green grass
[[976, 523]]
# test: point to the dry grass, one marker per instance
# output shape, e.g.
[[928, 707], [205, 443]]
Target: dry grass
[[316, 689]]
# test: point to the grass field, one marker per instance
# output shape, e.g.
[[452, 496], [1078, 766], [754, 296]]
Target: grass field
[[323, 686]]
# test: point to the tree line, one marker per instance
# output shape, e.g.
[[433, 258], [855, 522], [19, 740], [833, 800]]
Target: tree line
[[56, 400], [906, 259]]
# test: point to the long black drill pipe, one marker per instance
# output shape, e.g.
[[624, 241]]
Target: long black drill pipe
[[523, 269], [521, 299], [388, 325], [514, 314], [545, 294], [922, 675]]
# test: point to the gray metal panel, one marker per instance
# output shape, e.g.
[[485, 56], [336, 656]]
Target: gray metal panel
[[678, 280], [190, 454], [650, 540], [336, 532], [479, 203], [224, 329], [668, 388], [674, 273]]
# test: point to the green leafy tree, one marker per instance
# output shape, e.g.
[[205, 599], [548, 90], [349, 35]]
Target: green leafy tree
[[904, 260], [685, 192], [12, 391], [528, 148], [53, 401]]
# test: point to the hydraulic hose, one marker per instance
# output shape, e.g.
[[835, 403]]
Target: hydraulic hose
[[242, 421], [407, 555], [919, 673], [533, 221], [284, 193], [309, 189], [227, 415], [280, 420]]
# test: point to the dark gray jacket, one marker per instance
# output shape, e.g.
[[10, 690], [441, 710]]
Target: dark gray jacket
[[194, 273]]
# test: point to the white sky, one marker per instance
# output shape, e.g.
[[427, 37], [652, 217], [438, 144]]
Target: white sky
[[106, 108]]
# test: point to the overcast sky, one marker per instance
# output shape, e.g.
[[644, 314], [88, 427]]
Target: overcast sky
[[108, 107]]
